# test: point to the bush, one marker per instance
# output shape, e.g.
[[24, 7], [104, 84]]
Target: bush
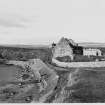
[[64, 59]]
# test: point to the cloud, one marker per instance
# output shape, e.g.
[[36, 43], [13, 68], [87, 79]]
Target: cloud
[[5, 23], [13, 21]]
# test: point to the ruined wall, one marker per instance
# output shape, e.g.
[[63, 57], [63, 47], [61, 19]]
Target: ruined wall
[[63, 49]]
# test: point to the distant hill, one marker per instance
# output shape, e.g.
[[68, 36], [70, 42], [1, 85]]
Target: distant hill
[[25, 52], [25, 46], [91, 44], [84, 44]]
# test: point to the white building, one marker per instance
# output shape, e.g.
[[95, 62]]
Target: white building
[[91, 52]]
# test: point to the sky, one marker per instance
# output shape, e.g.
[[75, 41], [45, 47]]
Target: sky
[[46, 21]]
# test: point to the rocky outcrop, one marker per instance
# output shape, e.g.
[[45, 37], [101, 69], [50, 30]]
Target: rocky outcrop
[[43, 78], [37, 67]]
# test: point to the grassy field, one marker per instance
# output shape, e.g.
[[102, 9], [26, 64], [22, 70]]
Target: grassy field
[[89, 86], [80, 86]]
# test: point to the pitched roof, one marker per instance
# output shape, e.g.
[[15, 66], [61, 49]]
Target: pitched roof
[[68, 41]]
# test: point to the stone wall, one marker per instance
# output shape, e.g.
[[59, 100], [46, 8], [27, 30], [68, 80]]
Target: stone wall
[[79, 64]]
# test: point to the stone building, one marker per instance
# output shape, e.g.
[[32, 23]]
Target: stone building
[[67, 49], [62, 49], [92, 52]]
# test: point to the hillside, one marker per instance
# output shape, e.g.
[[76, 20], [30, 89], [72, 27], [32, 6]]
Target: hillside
[[64, 85], [17, 83], [17, 53], [92, 44]]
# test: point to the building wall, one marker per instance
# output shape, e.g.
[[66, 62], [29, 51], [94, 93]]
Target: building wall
[[78, 50], [63, 49], [89, 52]]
